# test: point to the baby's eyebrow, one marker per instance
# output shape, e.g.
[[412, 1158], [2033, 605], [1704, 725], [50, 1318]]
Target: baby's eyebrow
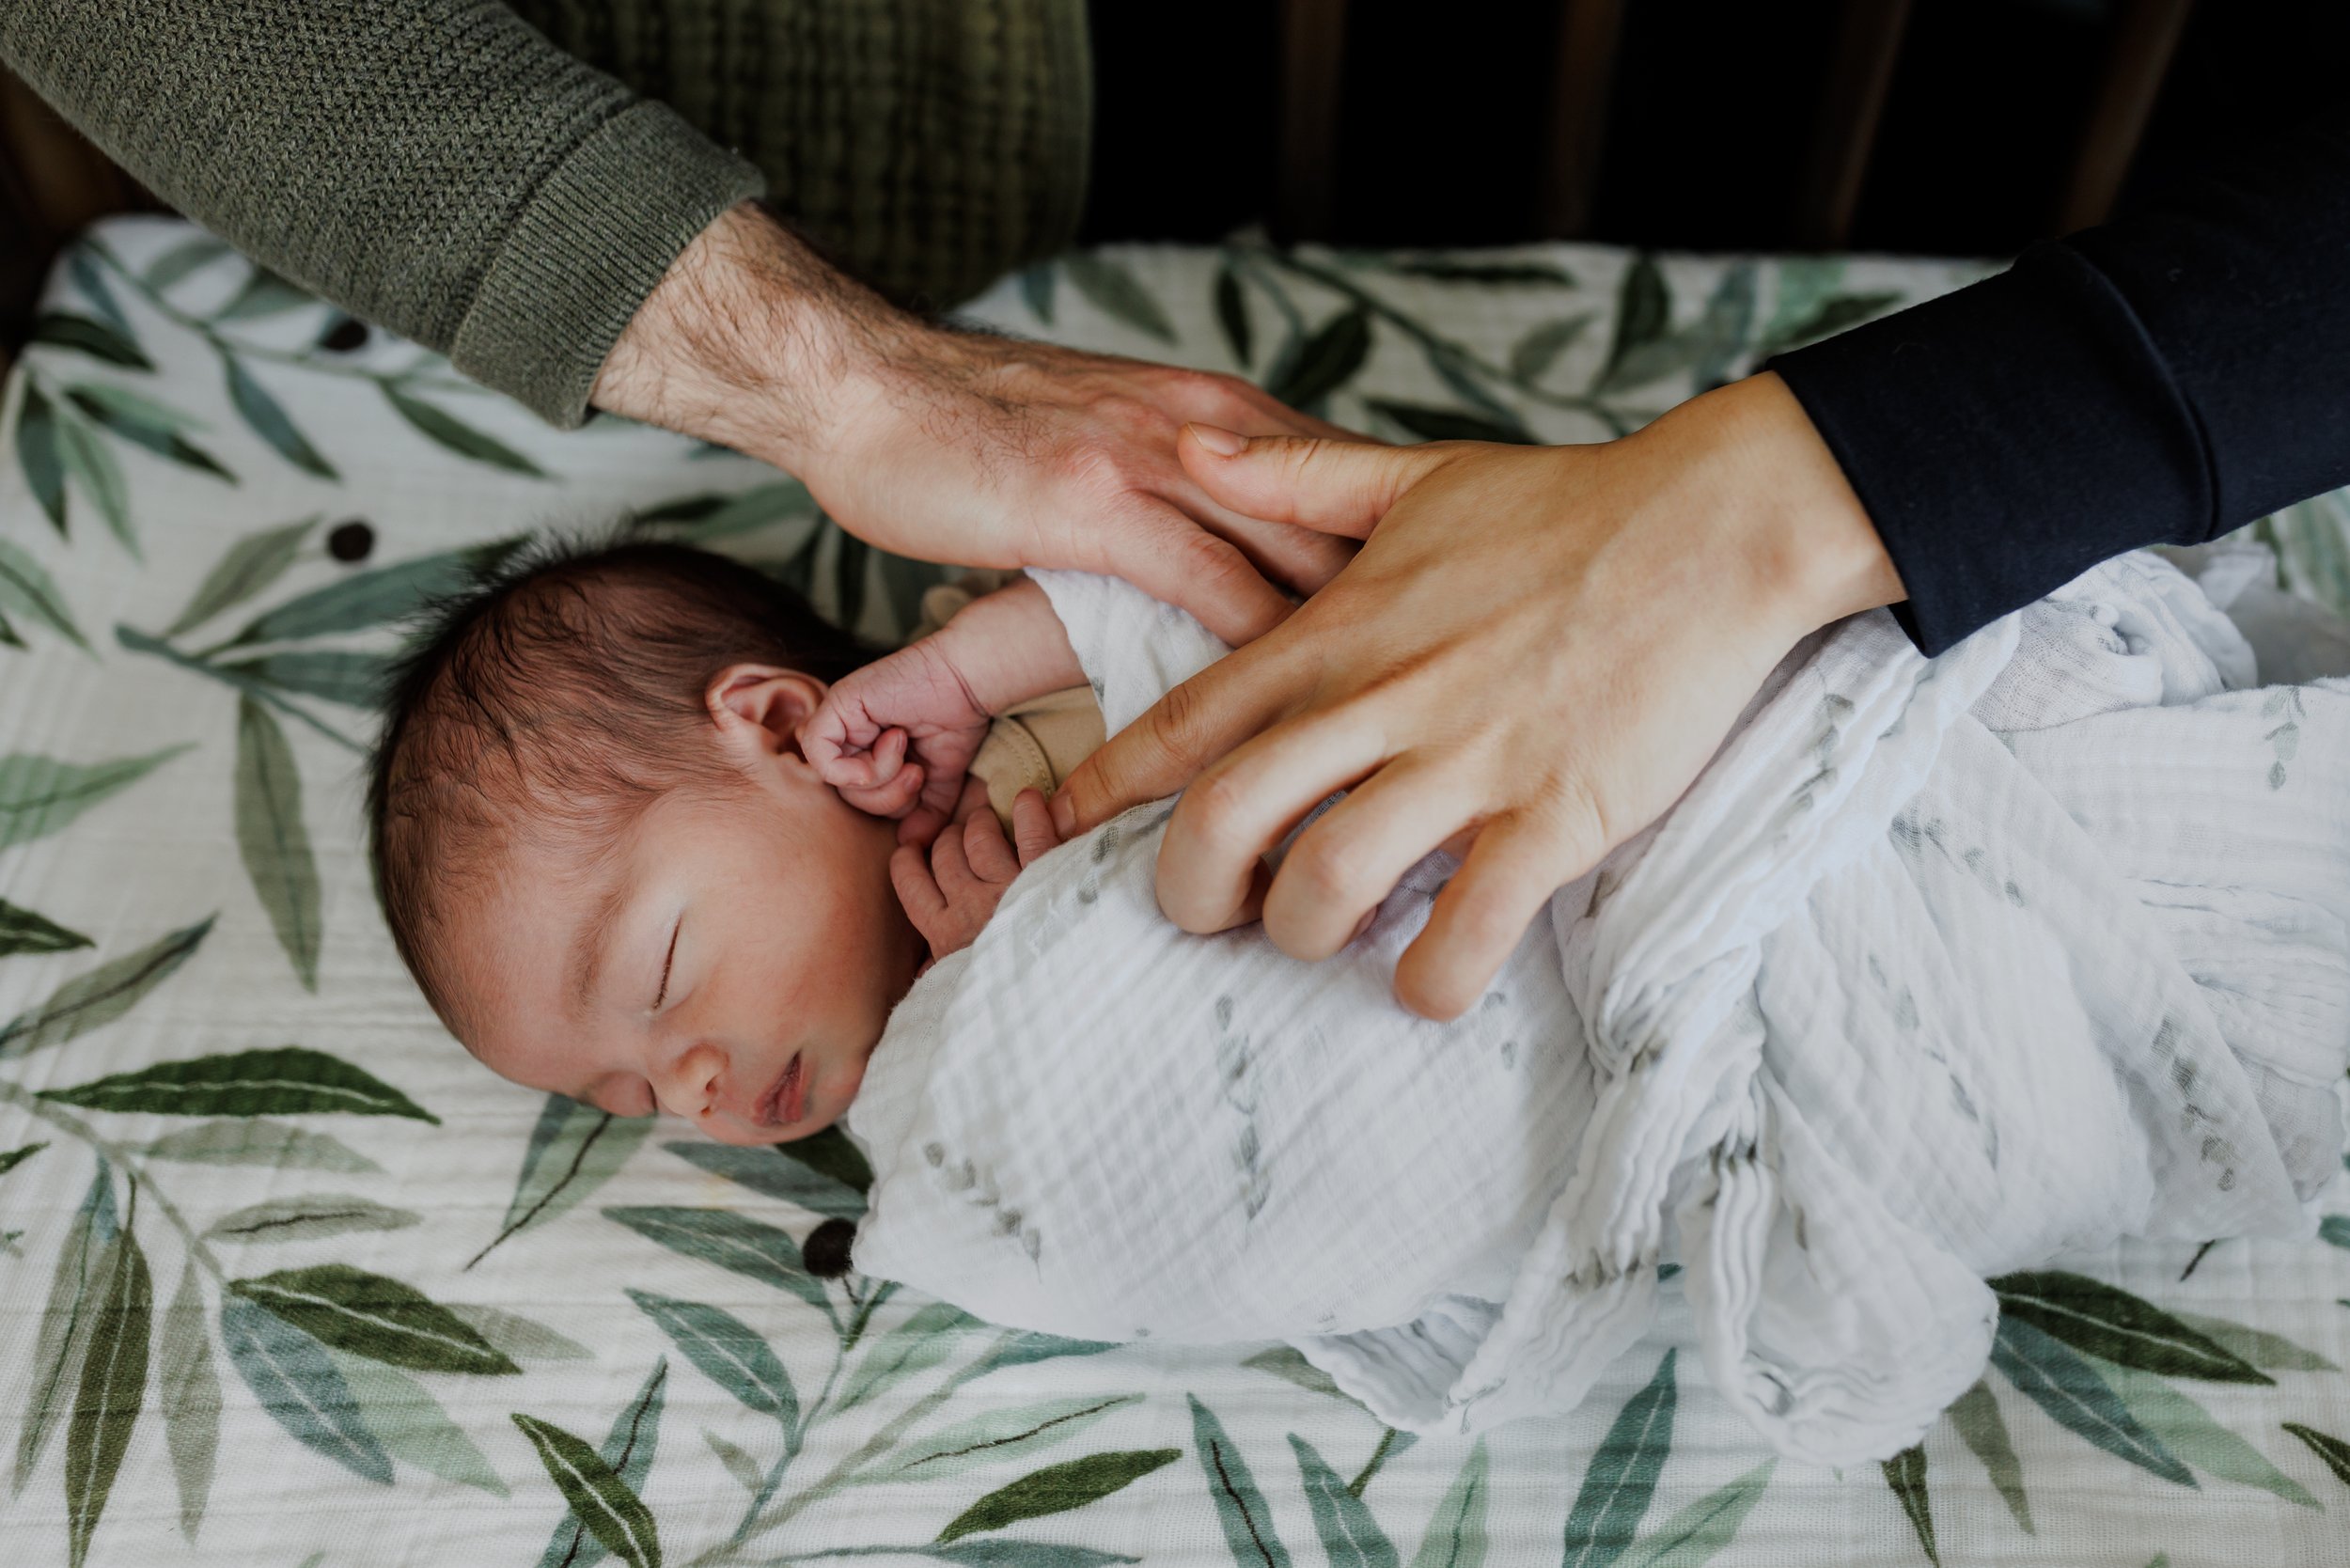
[[595, 940]]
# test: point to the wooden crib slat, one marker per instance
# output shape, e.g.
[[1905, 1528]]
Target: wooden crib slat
[[1589, 32], [2145, 37], [1313, 54], [1852, 102]]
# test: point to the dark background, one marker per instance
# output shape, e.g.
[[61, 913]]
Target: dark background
[[1708, 125]]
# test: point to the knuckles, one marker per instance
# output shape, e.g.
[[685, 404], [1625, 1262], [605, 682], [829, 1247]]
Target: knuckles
[[1177, 729], [1320, 874], [1213, 815], [1104, 472]]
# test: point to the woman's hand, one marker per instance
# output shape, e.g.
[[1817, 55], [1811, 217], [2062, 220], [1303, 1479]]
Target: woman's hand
[[951, 888], [1533, 655], [958, 446]]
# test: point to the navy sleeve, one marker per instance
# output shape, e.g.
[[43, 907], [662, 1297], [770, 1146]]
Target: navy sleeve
[[2159, 380]]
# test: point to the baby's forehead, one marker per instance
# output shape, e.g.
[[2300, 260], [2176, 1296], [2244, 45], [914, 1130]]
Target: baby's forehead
[[518, 923]]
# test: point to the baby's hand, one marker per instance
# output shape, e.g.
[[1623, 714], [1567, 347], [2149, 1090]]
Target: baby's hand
[[896, 737], [951, 890]]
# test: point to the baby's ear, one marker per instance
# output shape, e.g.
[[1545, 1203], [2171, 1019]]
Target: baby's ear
[[762, 706]]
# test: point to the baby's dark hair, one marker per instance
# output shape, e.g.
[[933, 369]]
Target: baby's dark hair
[[556, 698]]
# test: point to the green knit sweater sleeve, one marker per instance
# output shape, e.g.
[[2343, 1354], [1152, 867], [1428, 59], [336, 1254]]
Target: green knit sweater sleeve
[[435, 167]]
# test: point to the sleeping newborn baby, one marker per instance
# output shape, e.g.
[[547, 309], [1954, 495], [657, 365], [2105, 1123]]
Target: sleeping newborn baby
[[611, 868], [1940, 969]]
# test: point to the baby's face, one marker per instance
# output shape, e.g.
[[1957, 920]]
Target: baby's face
[[731, 959]]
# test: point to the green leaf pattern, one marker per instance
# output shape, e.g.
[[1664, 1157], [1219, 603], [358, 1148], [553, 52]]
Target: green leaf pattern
[[629, 1447], [371, 1315], [607, 1504], [113, 1387], [40, 795], [273, 839], [188, 1390], [292, 1378], [1622, 1474], [291, 1079]]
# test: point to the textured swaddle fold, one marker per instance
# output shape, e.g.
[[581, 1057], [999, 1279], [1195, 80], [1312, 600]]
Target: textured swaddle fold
[[1941, 968]]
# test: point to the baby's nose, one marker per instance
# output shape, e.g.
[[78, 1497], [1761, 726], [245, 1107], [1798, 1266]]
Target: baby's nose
[[693, 1081]]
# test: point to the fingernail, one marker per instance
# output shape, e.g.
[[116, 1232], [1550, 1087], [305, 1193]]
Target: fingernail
[[1364, 924], [1223, 443], [1064, 816]]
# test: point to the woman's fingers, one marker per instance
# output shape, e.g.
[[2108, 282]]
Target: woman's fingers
[[1242, 806], [1335, 487], [1182, 733], [1483, 913], [1251, 907], [1230, 403], [1350, 858], [1300, 560]]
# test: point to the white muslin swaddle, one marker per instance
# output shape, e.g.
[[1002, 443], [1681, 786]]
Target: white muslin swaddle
[[1941, 968]]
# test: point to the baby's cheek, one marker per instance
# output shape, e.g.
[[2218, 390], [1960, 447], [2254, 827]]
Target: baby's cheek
[[634, 1098]]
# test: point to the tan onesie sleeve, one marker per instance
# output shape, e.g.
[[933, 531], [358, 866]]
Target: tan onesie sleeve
[[1034, 745]]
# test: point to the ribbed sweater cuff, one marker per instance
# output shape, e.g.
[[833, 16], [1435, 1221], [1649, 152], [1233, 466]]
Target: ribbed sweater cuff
[[587, 249], [1069, 89], [2006, 438]]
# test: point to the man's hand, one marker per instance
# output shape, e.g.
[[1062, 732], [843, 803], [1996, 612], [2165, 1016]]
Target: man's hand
[[1536, 651], [950, 889], [959, 447]]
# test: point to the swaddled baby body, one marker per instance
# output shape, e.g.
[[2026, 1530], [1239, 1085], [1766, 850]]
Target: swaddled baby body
[[1942, 968]]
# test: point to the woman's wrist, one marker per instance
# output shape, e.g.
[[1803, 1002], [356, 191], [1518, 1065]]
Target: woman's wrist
[[750, 340], [1813, 549]]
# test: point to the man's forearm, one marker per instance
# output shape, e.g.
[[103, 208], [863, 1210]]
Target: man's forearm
[[435, 167], [751, 341]]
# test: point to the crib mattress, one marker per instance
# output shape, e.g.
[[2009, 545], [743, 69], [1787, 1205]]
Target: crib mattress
[[286, 1277]]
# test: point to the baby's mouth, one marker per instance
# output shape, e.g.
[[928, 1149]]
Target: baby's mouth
[[785, 1101]]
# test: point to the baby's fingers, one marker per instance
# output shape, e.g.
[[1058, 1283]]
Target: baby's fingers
[[889, 753], [839, 724], [1032, 828], [893, 799], [986, 849], [949, 869], [846, 763], [917, 890]]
